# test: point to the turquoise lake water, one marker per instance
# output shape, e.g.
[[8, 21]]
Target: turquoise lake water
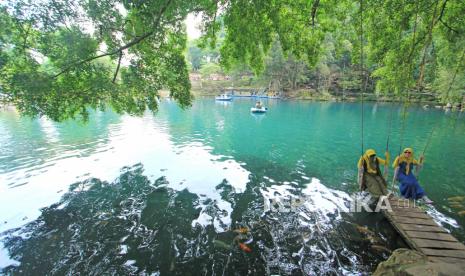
[[164, 193]]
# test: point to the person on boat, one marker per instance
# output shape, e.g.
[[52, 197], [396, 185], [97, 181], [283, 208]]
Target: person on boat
[[258, 105], [369, 173], [409, 186]]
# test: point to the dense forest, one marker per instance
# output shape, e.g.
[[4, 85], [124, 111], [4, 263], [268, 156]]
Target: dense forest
[[59, 58], [332, 74]]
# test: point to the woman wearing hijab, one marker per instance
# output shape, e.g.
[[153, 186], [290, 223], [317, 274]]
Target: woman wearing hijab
[[409, 186], [369, 174]]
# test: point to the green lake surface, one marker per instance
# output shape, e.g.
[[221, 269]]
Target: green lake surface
[[162, 194]]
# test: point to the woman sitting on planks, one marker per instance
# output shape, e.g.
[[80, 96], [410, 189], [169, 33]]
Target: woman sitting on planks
[[409, 186]]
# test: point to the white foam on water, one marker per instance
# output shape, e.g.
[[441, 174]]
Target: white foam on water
[[315, 196], [306, 215], [129, 263], [5, 259], [440, 218]]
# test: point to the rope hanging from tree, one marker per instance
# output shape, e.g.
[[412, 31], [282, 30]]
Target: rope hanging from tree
[[388, 139], [401, 137], [361, 69]]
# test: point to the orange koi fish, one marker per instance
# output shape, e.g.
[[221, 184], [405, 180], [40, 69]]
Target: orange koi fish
[[244, 247]]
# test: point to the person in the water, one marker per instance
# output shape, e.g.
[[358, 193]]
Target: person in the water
[[409, 186], [369, 173]]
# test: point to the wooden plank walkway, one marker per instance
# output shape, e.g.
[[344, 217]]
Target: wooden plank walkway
[[422, 233]]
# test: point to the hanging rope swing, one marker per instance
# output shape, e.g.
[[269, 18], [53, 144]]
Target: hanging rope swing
[[363, 89], [361, 72], [387, 141], [401, 137]]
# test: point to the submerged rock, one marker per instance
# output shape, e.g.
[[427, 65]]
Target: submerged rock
[[409, 262]]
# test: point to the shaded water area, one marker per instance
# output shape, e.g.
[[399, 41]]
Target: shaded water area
[[169, 193]]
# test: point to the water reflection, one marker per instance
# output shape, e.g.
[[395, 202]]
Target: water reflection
[[31, 143], [219, 166], [132, 140], [129, 226], [135, 225]]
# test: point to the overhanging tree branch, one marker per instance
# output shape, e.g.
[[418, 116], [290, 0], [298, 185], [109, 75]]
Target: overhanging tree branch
[[447, 26], [120, 49], [133, 42], [443, 8], [314, 10], [117, 68]]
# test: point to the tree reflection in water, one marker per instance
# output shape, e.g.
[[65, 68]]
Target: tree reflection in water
[[129, 226]]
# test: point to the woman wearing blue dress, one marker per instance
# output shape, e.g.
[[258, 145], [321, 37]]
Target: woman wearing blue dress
[[409, 186]]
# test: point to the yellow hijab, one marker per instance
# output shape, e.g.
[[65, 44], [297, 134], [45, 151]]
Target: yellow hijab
[[401, 158], [366, 158]]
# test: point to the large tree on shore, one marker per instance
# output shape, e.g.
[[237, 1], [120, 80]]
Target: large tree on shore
[[58, 58], [61, 57]]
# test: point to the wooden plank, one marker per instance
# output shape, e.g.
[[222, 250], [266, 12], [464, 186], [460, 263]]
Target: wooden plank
[[444, 253], [414, 221], [421, 228], [407, 209], [399, 229], [411, 215], [402, 203], [400, 199], [423, 243], [423, 234], [431, 236], [446, 260], [406, 205], [410, 210]]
